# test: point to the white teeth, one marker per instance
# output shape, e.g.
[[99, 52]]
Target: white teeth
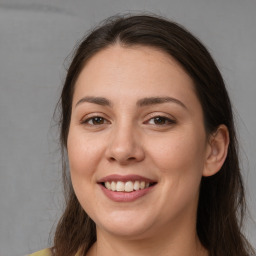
[[142, 184], [108, 185], [113, 186], [128, 186], [119, 186], [136, 185]]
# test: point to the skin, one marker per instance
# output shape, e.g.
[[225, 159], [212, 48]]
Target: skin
[[129, 139]]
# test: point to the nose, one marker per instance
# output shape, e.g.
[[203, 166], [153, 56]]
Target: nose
[[125, 146]]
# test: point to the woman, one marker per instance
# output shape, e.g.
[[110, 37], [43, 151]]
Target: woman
[[147, 126]]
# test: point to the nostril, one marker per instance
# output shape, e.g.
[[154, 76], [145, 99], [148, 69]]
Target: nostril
[[112, 159], [131, 158]]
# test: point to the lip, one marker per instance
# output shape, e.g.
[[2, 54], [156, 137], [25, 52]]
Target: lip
[[125, 196]]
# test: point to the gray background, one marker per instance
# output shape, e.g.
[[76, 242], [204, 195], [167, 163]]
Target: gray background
[[35, 38]]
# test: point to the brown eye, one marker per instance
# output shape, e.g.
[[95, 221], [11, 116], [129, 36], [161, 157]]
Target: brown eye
[[160, 120], [96, 120]]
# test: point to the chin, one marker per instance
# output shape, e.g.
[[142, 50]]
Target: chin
[[127, 228], [126, 232]]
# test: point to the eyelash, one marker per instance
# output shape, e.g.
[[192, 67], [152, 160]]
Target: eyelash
[[167, 121], [94, 118]]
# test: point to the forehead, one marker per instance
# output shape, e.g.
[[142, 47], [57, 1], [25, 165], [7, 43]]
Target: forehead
[[136, 59], [133, 71]]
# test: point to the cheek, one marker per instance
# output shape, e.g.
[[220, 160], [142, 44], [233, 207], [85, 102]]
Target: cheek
[[180, 160], [83, 155], [179, 152]]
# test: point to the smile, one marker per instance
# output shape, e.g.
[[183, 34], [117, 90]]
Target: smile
[[128, 186]]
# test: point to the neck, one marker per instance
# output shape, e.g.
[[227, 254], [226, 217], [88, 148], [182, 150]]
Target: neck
[[164, 244]]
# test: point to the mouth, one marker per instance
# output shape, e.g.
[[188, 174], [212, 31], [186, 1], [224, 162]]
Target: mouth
[[128, 186]]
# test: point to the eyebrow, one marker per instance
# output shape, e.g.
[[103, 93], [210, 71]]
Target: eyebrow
[[141, 103], [96, 100], [159, 100]]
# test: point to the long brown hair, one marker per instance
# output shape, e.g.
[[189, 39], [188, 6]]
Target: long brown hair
[[221, 205]]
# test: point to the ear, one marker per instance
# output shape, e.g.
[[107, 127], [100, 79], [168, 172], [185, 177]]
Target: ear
[[217, 149]]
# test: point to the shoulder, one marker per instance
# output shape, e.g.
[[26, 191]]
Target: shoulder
[[45, 252]]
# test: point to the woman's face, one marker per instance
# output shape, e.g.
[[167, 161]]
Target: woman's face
[[137, 145]]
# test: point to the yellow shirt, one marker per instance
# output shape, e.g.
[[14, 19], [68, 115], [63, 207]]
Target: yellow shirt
[[45, 252]]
